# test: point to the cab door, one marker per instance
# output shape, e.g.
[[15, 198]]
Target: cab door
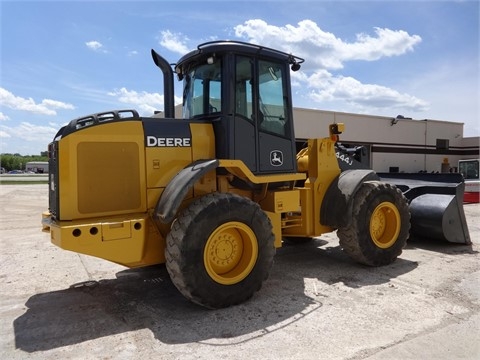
[[263, 134], [276, 140]]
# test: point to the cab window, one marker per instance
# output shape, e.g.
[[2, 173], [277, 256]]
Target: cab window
[[244, 87], [272, 97], [202, 90]]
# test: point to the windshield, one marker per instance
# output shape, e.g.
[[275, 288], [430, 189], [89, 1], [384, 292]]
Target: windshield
[[202, 90], [469, 169]]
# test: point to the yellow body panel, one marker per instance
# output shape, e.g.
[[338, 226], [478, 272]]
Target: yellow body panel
[[281, 201], [320, 162], [127, 240], [102, 153], [163, 163], [203, 140]]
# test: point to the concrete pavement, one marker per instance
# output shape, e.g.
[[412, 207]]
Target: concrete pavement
[[317, 303]]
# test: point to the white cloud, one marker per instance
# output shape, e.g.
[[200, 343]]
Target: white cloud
[[175, 42], [45, 107], [148, 103], [386, 43], [94, 45], [27, 131], [324, 49], [328, 88], [35, 136], [132, 53], [324, 52], [3, 117]]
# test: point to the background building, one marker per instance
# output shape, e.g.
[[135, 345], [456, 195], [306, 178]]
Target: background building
[[38, 167], [394, 144]]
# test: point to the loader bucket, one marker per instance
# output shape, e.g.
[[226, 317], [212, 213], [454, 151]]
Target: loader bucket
[[436, 204]]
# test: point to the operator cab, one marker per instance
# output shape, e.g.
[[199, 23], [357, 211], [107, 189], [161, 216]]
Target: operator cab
[[244, 90]]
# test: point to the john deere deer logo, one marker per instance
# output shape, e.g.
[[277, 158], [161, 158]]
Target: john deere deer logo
[[276, 158]]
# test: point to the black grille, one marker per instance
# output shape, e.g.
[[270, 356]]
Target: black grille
[[53, 190]]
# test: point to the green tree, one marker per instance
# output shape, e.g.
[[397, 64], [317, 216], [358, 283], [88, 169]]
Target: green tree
[[17, 162]]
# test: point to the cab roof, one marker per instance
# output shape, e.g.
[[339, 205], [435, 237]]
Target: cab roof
[[238, 47]]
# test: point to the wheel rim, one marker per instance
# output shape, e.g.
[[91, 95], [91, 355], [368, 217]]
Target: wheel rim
[[230, 253], [385, 225]]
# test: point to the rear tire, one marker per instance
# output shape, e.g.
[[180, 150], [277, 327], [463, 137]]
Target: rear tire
[[380, 225], [220, 250]]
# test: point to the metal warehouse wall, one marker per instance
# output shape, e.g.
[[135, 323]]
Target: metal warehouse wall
[[406, 144]]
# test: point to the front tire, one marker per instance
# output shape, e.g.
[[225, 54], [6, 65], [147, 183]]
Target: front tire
[[220, 250], [379, 227]]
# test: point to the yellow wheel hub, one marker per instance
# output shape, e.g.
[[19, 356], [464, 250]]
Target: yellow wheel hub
[[230, 253], [385, 225]]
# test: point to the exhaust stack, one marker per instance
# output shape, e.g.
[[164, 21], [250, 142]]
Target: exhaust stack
[[168, 100]]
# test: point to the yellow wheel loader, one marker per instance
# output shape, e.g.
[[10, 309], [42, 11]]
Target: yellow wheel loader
[[213, 194]]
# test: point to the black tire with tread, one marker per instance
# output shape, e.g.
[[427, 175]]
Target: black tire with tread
[[355, 239], [186, 243]]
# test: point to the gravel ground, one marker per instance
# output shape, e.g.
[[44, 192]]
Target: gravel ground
[[317, 303]]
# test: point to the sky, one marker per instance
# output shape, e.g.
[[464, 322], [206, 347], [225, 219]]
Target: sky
[[60, 60]]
